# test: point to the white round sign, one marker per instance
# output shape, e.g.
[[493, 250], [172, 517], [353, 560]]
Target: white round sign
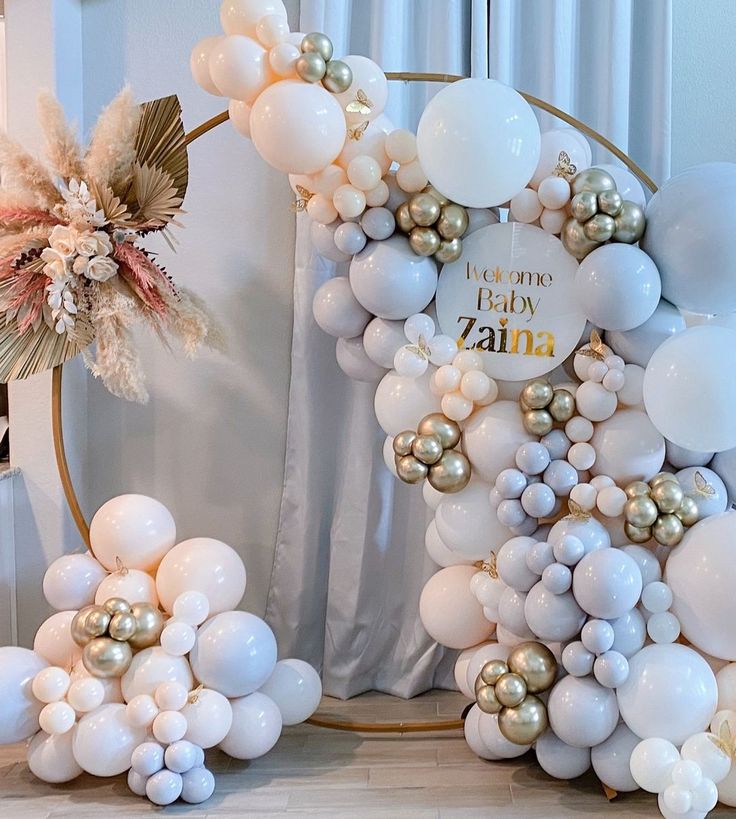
[[511, 296]]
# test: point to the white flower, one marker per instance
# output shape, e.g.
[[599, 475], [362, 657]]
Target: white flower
[[63, 239], [94, 244], [99, 268], [61, 301], [80, 204], [57, 264]]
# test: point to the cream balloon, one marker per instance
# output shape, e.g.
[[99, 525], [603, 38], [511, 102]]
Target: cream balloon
[[243, 16], [135, 529], [19, 709], [292, 107], [372, 142], [437, 549], [132, 585], [491, 437], [478, 142], [628, 447], [401, 402], [448, 610], [53, 640], [239, 113], [150, 668], [104, 741], [256, 727], [70, 581], [205, 565], [239, 68], [296, 688], [51, 757], [209, 717], [111, 685], [467, 523], [199, 63], [369, 79], [651, 764]]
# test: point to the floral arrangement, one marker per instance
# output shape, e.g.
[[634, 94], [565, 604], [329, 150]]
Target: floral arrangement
[[72, 270]]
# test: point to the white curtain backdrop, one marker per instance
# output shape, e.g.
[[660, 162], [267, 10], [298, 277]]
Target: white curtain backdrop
[[350, 560]]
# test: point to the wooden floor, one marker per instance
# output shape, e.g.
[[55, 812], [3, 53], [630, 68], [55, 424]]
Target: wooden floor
[[317, 772]]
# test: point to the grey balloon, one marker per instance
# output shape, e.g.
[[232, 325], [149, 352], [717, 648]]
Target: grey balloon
[[378, 223], [638, 345]]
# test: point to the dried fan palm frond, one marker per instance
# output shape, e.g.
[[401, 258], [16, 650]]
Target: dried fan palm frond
[[160, 141], [116, 212], [62, 146], [111, 153], [156, 197], [23, 172]]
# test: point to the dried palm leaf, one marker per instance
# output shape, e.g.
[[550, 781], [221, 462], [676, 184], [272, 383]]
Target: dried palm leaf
[[160, 141], [114, 209], [154, 193]]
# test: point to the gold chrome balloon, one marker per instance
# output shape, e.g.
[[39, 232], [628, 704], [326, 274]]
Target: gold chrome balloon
[[640, 511], [485, 696], [637, 488], [510, 690], [424, 209], [492, 670], [661, 477], [668, 530], [424, 241], [113, 605], [338, 77], [451, 473], [311, 67], [538, 422], [403, 218], [584, 206], [105, 657], [562, 406], [453, 221], [427, 448], [573, 237], [592, 179], [630, 223], [403, 441], [96, 621], [688, 511], [537, 394], [535, 663], [668, 496], [450, 250], [122, 626], [150, 624], [78, 627], [411, 469], [317, 43], [637, 534], [610, 202], [440, 197], [600, 228], [438, 424], [525, 723]]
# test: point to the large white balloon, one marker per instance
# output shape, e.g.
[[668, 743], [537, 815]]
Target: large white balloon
[[638, 345], [209, 716], [53, 640], [701, 571], [628, 447], [687, 228], [132, 585], [135, 529], [468, 524], [491, 437], [651, 764], [205, 565], [670, 693], [293, 107], [296, 688], [70, 581], [337, 311], [150, 668], [611, 759], [369, 79], [104, 740], [706, 488], [617, 286], [51, 758], [401, 402], [559, 759], [449, 611], [235, 653], [607, 583], [478, 142], [581, 712], [256, 727], [686, 393], [390, 280], [19, 709], [112, 689], [552, 616]]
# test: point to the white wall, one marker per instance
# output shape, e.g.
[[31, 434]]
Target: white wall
[[210, 445], [703, 72]]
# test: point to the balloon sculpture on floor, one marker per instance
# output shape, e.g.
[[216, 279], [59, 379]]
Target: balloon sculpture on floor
[[528, 320], [145, 679]]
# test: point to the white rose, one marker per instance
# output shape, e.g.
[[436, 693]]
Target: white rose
[[63, 240], [94, 244], [99, 268], [57, 264]]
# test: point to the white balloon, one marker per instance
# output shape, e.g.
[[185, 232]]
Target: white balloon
[[205, 565], [617, 286], [646, 561], [19, 709], [560, 760], [70, 581], [104, 740], [142, 710], [479, 218], [670, 693], [178, 638], [512, 566], [471, 730], [726, 681], [553, 616], [401, 403], [353, 361], [136, 529], [150, 668], [651, 763], [478, 658], [296, 688], [687, 220], [390, 280], [381, 340], [50, 684], [337, 311], [191, 607], [438, 550], [495, 741], [147, 758], [491, 437], [164, 787], [488, 591], [368, 78], [611, 759], [701, 572], [243, 16], [685, 368], [53, 640], [256, 727], [112, 691], [478, 142], [581, 712], [199, 63], [681, 458], [235, 653], [289, 107], [323, 239], [132, 585], [449, 611], [372, 143], [553, 142], [467, 524], [86, 694], [628, 447], [710, 757], [51, 759], [607, 583], [239, 67], [511, 614], [198, 785], [209, 718], [638, 345], [169, 726]]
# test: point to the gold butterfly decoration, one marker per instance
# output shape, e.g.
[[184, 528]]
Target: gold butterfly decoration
[[596, 349], [421, 348], [702, 485], [356, 133], [576, 511], [724, 741], [565, 167], [303, 201], [360, 105], [488, 566]]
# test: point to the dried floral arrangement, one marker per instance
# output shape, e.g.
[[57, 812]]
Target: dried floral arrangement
[[72, 269]]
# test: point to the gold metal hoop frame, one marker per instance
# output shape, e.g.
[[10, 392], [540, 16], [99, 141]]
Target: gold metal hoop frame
[[56, 381]]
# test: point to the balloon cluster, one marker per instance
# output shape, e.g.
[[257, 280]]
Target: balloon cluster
[[659, 509], [430, 453], [509, 688], [111, 632], [599, 214], [543, 405], [463, 385], [413, 359], [435, 225], [316, 64]]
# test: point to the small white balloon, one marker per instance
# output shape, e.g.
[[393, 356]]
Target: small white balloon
[[133, 585], [86, 694], [611, 760], [181, 756], [198, 785], [171, 696], [704, 749], [336, 309], [147, 758], [178, 638], [164, 787], [582, 712], [51, 684], [199, 63], [209, 717], [57, 718], [191, 607], [651, 763], [169, 726], [142, 710]]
